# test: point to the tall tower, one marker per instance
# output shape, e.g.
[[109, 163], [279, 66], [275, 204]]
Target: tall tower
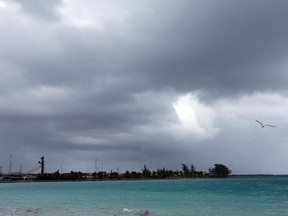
[[42, 165]]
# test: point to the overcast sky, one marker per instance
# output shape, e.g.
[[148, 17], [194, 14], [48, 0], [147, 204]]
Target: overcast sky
[[158, 82]]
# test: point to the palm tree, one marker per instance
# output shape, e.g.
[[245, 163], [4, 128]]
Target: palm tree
[[146, 172], [186, 170]]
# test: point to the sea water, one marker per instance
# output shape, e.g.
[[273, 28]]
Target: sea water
[[236, 196]]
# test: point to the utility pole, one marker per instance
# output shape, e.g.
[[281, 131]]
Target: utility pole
[[96, 168], [20, 171], [10, 164]]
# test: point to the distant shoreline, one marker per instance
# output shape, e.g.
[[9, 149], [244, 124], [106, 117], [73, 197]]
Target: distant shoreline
[[139, 179]]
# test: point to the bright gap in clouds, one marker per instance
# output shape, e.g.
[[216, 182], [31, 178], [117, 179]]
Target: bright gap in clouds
[[3, 4], [195, 117], [100, 16]]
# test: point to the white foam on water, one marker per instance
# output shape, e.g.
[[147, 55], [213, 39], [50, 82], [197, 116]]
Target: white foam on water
[[127, 210]]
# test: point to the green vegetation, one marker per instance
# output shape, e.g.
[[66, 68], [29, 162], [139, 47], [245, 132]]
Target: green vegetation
[[57, 176], [187, 171], [219, 170]]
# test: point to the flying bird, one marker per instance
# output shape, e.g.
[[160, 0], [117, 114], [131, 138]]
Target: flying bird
[[264, 125]]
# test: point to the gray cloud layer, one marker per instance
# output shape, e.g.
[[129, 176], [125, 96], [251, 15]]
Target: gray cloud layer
[[90, 80]]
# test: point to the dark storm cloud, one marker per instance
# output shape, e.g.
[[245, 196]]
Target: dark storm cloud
[[81, 84], [224, 46], [220, 46]]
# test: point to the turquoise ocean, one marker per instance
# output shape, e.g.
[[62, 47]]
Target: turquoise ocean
[[235, 196]]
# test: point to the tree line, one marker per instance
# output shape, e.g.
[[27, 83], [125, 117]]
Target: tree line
[[187, 171]]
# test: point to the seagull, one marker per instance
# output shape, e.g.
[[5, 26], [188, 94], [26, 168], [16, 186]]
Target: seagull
[[264, 125]]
